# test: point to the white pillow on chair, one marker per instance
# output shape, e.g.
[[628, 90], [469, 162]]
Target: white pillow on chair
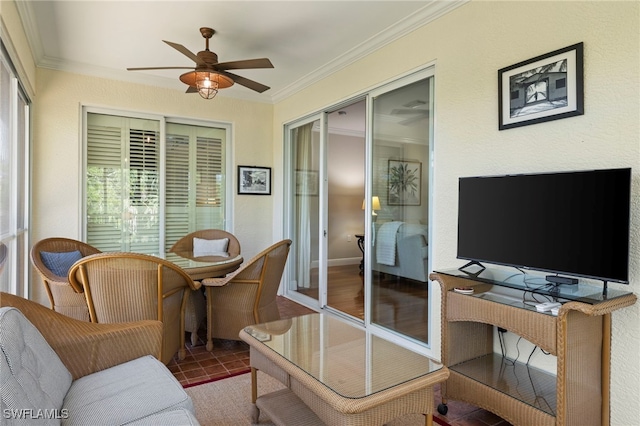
[[202, 247]]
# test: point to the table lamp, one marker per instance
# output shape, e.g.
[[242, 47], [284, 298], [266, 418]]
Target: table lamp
[[375, 205]]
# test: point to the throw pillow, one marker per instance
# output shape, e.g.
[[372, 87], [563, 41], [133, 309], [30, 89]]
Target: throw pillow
[[60, 262], [202, 247]]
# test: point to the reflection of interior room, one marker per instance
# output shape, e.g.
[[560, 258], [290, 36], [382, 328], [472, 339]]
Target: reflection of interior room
[[399, 281]]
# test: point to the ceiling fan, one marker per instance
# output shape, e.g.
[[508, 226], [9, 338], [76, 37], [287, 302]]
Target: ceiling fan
[[209, 75]]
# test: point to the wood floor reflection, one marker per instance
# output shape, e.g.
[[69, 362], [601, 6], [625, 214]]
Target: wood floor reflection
[[399, 304]]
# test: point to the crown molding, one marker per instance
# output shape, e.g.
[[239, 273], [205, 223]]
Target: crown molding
[[433, 10], [429, 13]]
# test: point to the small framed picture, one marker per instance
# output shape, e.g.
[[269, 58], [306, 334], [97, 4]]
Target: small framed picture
[[306, 182], [544, 88], [254, 180], [404, 183]]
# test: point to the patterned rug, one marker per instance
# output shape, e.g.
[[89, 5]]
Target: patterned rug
[[204, 382]]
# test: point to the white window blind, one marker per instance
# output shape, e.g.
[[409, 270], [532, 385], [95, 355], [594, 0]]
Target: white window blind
[[124, 181], [195, 183]]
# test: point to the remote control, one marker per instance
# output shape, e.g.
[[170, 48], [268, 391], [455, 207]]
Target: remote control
[[547, 306]]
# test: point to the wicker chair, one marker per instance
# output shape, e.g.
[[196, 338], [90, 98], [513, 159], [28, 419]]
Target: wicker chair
[[123, 287], [246, 296], [196, 305], [62, 297], [184, 246], [86, 348]]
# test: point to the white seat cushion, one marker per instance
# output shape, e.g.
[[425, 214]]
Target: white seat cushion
[[202, 247], [34, 380], [125, 393]]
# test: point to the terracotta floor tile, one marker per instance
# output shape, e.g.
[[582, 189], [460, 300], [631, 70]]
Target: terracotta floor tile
[[206, 363], [215, 370], [196, 373], [188, 366]]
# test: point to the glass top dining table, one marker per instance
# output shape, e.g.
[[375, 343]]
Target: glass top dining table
[[203, 267], [200, 268]]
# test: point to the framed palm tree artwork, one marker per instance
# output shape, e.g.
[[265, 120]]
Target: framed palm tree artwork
[[404, 183]]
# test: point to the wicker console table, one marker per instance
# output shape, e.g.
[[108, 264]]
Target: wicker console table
[[579, 336]]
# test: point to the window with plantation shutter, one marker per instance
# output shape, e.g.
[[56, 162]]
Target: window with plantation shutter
[[124, 182], [122, 191], [195, 184], [177, 189]]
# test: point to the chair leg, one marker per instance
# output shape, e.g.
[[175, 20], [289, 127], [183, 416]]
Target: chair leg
[[209, 318]]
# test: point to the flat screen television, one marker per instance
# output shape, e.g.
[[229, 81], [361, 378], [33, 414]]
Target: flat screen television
[[572, 223]]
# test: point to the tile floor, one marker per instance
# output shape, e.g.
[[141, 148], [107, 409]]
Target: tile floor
[[232, 357]]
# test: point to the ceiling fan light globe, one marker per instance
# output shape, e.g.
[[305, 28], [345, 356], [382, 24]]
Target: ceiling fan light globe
[[207, 84], [208, 93]]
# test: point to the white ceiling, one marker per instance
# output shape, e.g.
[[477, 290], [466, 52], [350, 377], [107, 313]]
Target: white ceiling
[[305, 40]]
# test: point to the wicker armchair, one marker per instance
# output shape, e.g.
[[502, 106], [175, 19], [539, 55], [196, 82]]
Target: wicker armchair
[[62, 297], [84, 347], [246, 296], [122, 287], [196, 305], [184, 246]]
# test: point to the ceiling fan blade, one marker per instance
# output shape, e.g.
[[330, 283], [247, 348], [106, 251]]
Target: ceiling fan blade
[[191, 89], [180, 48], [159, 68], [250, 84], [245, 64]]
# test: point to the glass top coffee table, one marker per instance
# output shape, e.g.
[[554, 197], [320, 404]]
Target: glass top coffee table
[[338, 373]]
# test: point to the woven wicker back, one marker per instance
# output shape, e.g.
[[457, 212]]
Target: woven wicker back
[[122, 287], [57, 245], [249, 294], [62, 297], [273, 265], [184, 246]]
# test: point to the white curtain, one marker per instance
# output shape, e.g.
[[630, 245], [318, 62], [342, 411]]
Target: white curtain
[[303, 146]]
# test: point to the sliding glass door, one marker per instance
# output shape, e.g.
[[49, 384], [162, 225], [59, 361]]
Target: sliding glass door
[[368, 191], [305, 210], [398, 273]]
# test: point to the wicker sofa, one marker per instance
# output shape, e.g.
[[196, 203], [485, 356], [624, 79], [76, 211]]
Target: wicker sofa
[[60, 370]]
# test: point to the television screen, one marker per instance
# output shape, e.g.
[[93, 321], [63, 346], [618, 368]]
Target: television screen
[[572, 223]]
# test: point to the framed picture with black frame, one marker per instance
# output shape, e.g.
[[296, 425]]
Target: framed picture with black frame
[[547, 87], [404, 183], [253, 180]]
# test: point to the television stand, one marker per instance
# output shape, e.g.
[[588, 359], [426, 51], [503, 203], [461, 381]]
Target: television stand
[[579, 337]]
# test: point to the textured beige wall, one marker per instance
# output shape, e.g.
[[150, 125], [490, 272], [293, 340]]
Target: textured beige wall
[[56, 149], [468, 46], [15, 39]]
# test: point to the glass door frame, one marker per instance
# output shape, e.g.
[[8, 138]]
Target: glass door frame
[[289, 203], [428, 71], [433, 316]]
